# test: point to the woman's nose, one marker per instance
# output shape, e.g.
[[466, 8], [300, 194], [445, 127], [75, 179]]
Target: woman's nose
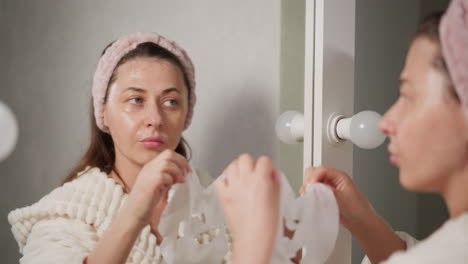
[[386, 124], [153, 117]]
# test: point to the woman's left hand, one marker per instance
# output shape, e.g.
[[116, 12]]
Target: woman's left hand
[[249, 192]]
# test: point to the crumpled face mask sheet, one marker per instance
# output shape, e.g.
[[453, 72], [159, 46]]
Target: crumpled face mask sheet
[[314, 220], [193, 225], [194, 231]]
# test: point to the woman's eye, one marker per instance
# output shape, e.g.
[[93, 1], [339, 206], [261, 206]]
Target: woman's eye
[[170, 103], [136, 100]]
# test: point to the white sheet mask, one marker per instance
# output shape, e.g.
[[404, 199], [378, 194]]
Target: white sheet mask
[[314, 219], [193, 225]]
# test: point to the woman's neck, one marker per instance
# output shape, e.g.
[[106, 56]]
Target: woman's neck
[[126, 171], [455, 194]]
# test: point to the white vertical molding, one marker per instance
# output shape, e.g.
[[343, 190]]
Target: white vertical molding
[[318, 82], [309, 77]]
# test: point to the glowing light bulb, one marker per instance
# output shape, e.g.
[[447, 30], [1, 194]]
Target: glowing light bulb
[[290, 127], [9, 131], [361, 129]]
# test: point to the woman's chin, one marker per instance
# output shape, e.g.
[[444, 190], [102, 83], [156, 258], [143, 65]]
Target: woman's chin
[[148, 155], [406, 181], [410, 182]]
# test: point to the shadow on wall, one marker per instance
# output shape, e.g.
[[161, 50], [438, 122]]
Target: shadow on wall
[[342, 75], [244, 125]]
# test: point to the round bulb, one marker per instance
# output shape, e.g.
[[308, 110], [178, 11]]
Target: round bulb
[[364, 130], [290, 127], [9, 134]]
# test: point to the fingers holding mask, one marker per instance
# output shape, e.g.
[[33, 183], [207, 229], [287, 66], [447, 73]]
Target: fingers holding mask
[[231, 169], [245, 169], [171, 158], [331, 177], [250, 199], [161, 173], [266, 168], [246, 165]]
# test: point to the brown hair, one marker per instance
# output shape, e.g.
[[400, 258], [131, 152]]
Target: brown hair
[[101, 153], [429, 29]]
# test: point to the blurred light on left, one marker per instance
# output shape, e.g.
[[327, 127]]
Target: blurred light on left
[[8, 131]]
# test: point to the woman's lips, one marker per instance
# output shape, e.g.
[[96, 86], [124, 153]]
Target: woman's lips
[[152, 142], [393, 155], [394, 159]]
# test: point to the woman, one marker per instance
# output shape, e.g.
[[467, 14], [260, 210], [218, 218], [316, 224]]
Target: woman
[[428, 131], [109, 208]]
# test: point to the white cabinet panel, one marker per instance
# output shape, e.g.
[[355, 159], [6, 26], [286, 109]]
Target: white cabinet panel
[[328, 90]]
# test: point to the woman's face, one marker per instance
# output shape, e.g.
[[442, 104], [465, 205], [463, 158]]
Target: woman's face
[[146, 109], [426, 125]]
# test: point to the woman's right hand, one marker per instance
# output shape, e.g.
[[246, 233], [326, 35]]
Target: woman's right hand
[[374, 235], [151, 186], [154, 181], [354, 207]]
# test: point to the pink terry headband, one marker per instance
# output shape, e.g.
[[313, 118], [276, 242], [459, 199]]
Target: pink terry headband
[[114, 54], [454, 39]]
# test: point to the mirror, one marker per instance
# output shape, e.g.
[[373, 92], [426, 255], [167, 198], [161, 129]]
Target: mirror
[[249, 60]]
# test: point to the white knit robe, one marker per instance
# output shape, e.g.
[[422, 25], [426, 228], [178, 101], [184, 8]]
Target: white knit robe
[[64, 226], [449, 244]]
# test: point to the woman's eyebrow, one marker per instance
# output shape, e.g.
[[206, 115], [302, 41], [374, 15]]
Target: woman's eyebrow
[[135, 89], [170, 90], [141, 90]]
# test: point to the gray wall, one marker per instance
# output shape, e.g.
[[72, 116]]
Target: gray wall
[[49, 51], [292, 82], [429, 6], [383, 32]]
